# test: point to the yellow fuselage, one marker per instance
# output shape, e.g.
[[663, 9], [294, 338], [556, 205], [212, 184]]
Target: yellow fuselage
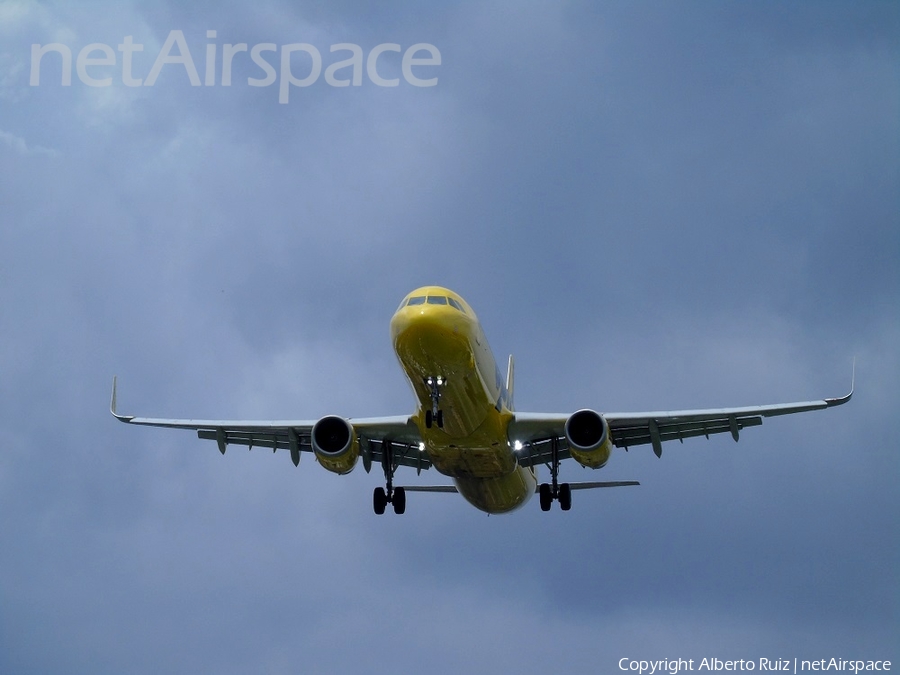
[[437, 335]]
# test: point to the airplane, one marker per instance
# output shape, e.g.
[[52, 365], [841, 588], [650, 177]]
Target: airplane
[[465, 425]]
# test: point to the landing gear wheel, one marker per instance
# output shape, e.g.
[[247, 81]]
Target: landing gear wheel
[[399, 501], [565, 497], [431, 418], [546, 497], [379, 500]]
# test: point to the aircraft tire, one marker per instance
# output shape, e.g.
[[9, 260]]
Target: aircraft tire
[[565, 497], [546, 497], [399, 501], [379, 500]]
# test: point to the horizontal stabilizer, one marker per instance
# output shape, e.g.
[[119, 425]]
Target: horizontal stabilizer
[[590, 485], [430, 488]]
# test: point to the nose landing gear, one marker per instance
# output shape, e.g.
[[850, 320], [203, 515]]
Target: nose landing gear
[[435, 415]]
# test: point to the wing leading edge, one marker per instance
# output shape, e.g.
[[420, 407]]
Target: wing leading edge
[[630, 429], [294, 435], [535, 433]]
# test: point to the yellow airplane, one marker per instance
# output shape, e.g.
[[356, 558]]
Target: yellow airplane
[[465, 425]]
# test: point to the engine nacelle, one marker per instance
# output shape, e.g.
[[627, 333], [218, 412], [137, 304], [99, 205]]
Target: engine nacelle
[[335, 443], [588, 435]]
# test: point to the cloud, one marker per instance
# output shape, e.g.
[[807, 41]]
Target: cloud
[[660, 209], [19, 145]]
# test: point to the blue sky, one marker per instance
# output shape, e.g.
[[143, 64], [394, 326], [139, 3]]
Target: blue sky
[[652, 205]]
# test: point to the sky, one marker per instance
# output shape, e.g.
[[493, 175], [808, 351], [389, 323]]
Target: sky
[[651, 205]]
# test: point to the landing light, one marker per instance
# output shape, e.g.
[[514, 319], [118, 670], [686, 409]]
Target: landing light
[[421, 447], [517, 445]]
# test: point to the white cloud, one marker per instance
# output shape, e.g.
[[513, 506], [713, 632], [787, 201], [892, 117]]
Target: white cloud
[[19, 145]]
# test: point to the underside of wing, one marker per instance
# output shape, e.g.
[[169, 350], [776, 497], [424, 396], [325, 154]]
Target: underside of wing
[[654, 428], [373, 434], [538, 438]]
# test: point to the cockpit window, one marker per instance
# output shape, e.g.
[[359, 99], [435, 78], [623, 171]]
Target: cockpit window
[[434, 300]]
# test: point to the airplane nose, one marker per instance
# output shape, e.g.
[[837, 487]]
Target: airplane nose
[[426, 329], [414, 323]]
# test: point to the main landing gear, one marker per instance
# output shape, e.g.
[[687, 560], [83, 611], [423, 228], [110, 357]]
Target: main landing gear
[[435, 414], [389, 494], [555, 491]]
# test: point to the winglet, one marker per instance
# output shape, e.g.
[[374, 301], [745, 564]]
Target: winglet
[[112, 406], [840, 400], [510, 382]]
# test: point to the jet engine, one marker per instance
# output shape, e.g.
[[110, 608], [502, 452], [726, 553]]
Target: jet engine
[[335, 443], [588, 435]]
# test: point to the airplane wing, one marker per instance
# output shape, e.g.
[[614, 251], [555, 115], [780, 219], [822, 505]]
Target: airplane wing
[[533, 434], [294, 435]]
